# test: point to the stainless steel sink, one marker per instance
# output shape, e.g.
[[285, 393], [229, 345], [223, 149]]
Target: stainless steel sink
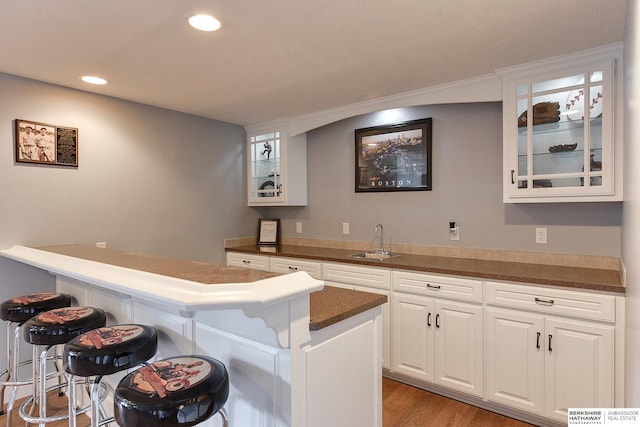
[[373, 255]]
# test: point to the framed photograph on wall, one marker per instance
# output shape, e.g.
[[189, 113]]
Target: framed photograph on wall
[[46, 144], [268, 232], [394, 157]]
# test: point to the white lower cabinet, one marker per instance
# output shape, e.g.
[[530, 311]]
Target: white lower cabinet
[[436, 339], [546, 364], [541, 350]]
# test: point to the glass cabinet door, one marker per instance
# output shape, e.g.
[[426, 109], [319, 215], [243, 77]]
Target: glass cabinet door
[[264, 164], [561, 145]]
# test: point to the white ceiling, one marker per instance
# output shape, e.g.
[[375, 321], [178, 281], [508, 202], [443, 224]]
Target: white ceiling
[[285, 58]]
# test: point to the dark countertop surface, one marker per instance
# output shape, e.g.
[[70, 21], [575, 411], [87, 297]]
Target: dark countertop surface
[[540, 274], [327, 306]]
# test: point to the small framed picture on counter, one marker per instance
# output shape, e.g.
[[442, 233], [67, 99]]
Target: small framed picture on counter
[[268, 232]]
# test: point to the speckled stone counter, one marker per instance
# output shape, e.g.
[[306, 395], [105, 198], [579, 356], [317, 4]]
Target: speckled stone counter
[[516, 272], [327, 307]]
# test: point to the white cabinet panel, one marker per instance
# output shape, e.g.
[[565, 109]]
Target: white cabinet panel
[[175, 332], [413, 320], [579, 368], [370, 277], [577, 304], [438, 286], [291, 265], [458, 346], [349, 356], [514, 359], [255, 262]]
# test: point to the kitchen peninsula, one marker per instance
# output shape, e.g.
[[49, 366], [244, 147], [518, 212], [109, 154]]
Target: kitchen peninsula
[[296, 351]]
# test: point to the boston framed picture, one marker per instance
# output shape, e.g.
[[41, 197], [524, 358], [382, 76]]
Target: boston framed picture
[[394, 157]]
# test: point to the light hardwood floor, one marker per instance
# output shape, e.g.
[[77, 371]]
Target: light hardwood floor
[[407, 406], [403, 406]]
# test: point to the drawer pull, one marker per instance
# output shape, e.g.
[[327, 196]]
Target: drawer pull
[[429, 319], [293, 268], [538, 340], [550, 336], [430, 286], [246, 261], [437, 318], [544, 301]]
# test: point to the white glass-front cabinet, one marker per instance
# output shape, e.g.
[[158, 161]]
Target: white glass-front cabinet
[[277, 168], [560, 131]]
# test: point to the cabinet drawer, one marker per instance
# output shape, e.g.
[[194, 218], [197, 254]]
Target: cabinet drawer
[[291, 265], [438, 286], [255, 262], [556, 301], [361, 276]]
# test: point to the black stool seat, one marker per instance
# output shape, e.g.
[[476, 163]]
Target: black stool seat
[[111, 349], [61, 325], [22, 308], [178, 391]]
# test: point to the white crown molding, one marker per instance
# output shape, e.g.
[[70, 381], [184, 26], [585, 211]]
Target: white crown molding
[[485, 88], [576, 58], [479, 89]]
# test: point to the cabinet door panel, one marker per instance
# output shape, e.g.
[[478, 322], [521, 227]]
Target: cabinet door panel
[[514, 359], [412, 336], [386, 324], [458, 346], [579, 366]]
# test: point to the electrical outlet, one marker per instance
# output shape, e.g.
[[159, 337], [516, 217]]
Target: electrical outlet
[[345, 228], [102, 245], [298, 227], [454, 233], [541, 235]]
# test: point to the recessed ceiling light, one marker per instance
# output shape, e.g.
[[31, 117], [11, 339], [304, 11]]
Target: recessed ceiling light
[[94, 80], [204, 23]]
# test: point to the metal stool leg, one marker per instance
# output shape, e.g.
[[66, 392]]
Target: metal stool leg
[[225, 418], [13, 361]]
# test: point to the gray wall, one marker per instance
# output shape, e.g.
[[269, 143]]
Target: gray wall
[[149, 179], [467, 188]]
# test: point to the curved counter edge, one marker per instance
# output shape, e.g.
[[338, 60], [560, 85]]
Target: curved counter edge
[[186, 295]]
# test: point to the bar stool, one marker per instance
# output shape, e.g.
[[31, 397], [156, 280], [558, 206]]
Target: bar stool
[[105, 351], [178, 391], [46, 330], [15, 312]]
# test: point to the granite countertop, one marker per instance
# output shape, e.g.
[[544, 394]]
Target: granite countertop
[[327, 306], [517, 272]]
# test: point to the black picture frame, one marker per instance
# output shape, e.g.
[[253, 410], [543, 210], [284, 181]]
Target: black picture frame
[[45, 144], [394, 157], [268, 232]]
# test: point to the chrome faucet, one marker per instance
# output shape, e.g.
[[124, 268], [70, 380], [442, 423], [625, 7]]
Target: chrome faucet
[[381, 250]]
